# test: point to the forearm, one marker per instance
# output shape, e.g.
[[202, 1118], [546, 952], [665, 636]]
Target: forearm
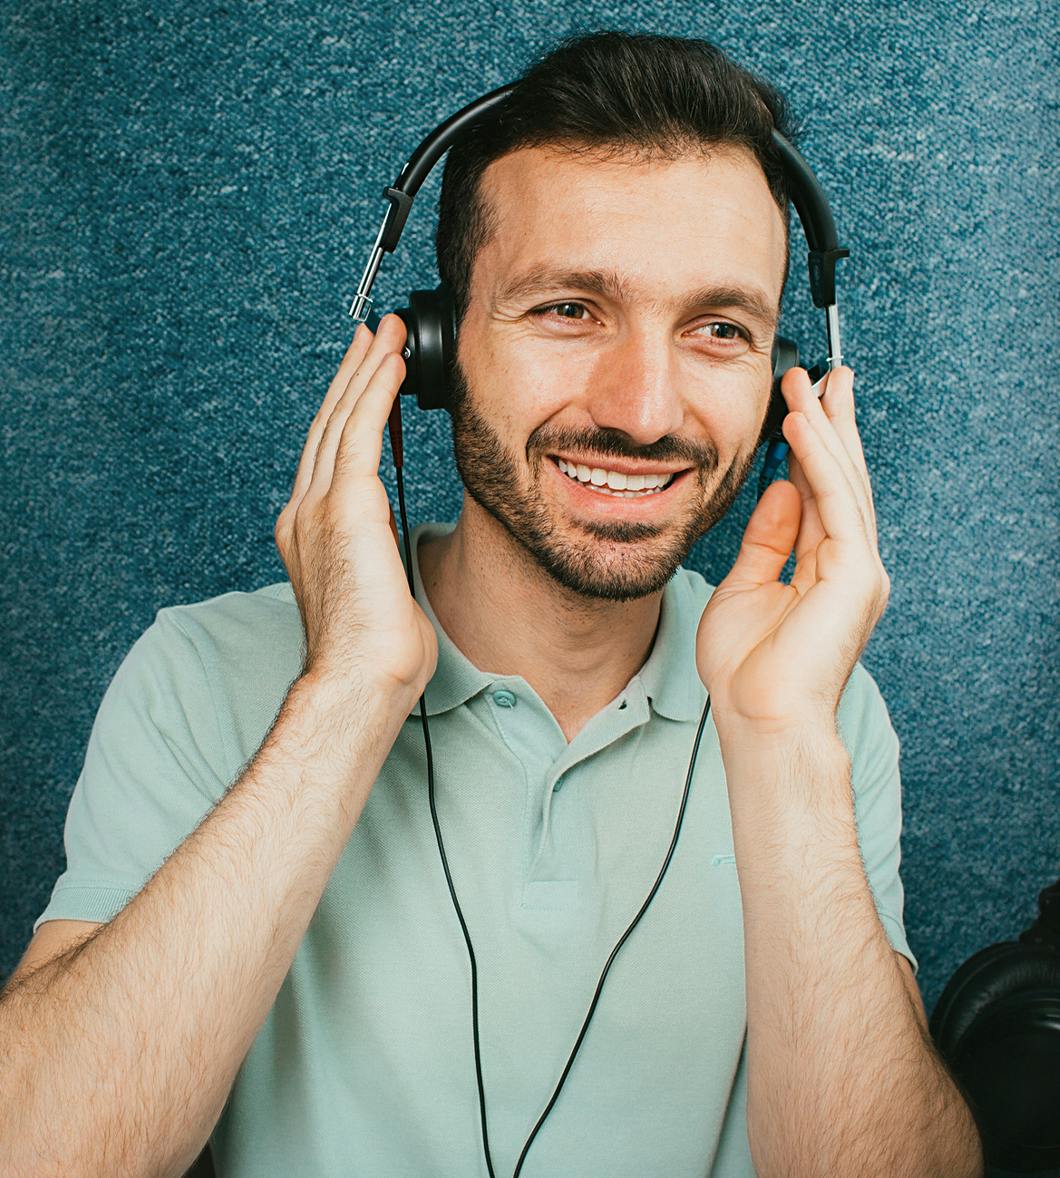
[[841, 1078], [118, 1057]]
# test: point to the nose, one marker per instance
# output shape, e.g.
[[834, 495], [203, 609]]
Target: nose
[[634, 386]]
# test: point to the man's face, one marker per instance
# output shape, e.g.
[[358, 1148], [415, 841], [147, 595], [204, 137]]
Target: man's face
[[655, 360]]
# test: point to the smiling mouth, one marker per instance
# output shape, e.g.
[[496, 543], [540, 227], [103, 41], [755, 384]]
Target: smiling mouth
[[616, 486]]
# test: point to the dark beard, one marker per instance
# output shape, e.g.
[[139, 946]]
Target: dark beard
[[629, 559]]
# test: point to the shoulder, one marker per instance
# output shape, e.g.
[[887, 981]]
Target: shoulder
[[241, 632], [247, 648], [237, 618]]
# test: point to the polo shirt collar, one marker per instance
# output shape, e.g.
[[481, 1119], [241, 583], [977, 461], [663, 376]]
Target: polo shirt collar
[[456, 679], [669, 676]]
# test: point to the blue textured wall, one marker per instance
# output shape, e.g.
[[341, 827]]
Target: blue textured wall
[[188, 200]]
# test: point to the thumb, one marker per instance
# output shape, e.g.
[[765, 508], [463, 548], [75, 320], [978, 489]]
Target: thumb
[[769, 536]]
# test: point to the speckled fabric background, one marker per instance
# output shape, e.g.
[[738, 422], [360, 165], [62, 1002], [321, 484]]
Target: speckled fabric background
[[189, 193]]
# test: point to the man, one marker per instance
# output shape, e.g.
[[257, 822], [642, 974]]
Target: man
[[293, 965]]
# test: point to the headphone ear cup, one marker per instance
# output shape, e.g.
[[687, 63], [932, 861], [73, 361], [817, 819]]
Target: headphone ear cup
[[997, 1026], [430, 347], [785, 356]]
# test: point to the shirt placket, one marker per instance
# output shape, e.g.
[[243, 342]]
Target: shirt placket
[[532, 734]]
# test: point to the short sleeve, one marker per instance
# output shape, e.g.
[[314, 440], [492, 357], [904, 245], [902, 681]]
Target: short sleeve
[[151, 773], [872, 743]]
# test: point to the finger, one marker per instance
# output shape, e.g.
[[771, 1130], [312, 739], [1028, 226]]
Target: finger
[[388, 341], [838, 405], [801, 398], [355, 353], [767, 538], [837, 505], [799, 394], [361, 443], [811, 530]]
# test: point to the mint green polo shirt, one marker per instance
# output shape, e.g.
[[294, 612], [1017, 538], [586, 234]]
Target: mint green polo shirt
[[364, 1066]]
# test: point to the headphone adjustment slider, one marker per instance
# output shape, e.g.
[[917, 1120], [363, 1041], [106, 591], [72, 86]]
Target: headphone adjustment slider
[[396, 216]]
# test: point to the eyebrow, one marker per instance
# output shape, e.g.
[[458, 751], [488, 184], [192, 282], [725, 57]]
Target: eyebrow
[[541, 279]]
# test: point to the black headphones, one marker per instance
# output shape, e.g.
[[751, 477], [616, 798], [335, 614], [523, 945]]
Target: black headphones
[[430, 351], [997, 1026], [430, 317]]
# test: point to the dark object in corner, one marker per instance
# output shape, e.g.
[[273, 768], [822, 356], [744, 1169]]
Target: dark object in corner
[[202, 1167], [997, 1026]]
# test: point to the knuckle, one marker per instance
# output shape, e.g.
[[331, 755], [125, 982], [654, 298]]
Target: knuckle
[[328, 427], [346, 454], [310, 511], [382, 370], [304, 519]]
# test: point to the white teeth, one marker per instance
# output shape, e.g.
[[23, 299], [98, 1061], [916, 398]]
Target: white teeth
[[615, 482]]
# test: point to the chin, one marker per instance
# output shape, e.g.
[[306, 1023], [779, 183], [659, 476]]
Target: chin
[[619, 561]]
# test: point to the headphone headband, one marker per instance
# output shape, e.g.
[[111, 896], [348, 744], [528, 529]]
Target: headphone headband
[[807, 195]]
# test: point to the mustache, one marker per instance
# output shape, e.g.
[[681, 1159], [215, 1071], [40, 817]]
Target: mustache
[[607, 443], [616, 444]]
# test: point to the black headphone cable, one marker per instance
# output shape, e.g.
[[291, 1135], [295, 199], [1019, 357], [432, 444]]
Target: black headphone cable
[[449, 879], [429, 349]]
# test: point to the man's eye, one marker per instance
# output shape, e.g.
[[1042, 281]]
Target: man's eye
[[728, 333], [561, 309], [732, 332]]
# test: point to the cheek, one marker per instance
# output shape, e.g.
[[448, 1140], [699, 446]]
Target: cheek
[[727, 417], [528, 383]]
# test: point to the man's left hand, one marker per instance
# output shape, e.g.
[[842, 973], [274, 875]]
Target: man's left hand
[[777, 657]]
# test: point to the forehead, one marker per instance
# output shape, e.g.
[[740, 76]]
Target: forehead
[[665, 225]]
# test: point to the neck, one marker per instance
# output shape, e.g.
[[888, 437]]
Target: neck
[[507, 616]]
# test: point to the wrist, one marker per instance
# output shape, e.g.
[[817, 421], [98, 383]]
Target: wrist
[[807, 771], [750, 743], [355, 689], [347, 716], [779, 732]]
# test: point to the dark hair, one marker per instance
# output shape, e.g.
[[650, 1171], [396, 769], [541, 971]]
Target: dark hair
[[610, 93]]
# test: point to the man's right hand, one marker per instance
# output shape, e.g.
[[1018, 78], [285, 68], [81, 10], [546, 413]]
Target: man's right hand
[[337, 535]]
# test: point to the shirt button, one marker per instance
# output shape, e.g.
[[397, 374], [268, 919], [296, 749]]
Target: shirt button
[[504, 699]]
